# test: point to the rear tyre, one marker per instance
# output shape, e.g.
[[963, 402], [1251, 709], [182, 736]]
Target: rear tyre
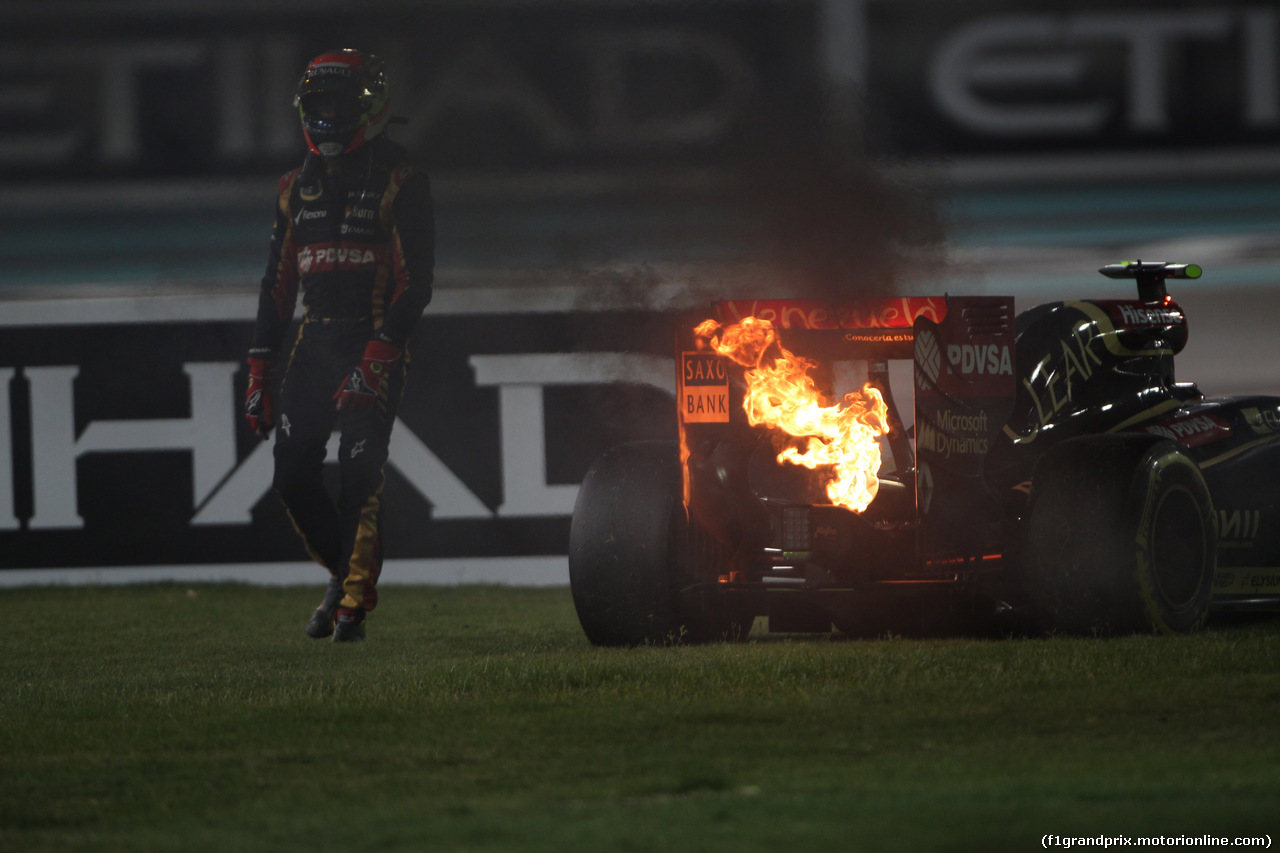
[[1121, 537], [630, 557]]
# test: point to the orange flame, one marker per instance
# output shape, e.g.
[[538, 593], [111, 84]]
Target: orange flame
[[783, 396]]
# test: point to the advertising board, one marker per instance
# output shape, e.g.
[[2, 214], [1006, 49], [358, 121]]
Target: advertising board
[[188, 89], [122, 443]]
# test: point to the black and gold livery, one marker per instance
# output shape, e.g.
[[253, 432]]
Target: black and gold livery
[[354, 236], [1056, 477], [357, 242]]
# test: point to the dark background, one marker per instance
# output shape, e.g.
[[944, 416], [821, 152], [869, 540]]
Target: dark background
[[599, 168]]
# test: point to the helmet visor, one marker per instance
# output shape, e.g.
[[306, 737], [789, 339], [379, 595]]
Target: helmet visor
[[339, 108]]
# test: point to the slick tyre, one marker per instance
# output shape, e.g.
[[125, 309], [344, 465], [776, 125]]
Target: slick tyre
[[629, 555], [1121, 537]]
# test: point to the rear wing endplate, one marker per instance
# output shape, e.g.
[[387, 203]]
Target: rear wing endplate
[[964, 384]]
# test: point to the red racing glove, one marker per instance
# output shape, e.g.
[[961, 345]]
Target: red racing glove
[[368, 381], [259, 412]]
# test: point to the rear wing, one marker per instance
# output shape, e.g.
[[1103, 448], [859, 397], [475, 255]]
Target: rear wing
[[963, 370], [871, 330], [866, 329]]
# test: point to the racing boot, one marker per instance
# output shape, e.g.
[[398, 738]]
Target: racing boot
[[349, 626], [320, 625]]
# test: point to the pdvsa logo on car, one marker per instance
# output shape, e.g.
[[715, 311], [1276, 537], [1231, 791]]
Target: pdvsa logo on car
[[704, 388], [1192, 431], [980, 359]]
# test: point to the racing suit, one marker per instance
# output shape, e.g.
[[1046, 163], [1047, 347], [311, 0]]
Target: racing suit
[[358, 240]]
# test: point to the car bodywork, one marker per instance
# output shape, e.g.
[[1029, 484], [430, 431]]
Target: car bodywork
[[1054, 477]]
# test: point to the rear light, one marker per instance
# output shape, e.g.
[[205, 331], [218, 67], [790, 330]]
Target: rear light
[[795, 529]]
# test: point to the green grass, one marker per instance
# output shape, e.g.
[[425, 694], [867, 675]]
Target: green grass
[[202, 718]]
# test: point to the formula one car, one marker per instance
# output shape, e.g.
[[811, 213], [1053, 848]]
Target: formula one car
[[1053, 477]]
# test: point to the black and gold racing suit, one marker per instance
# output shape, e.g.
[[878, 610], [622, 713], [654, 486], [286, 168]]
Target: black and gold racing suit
[[359, 243]]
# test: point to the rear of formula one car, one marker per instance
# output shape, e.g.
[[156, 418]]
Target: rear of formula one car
[[1049, 474], [693, 540]]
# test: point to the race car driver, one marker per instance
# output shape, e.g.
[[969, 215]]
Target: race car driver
[[354, 232]]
